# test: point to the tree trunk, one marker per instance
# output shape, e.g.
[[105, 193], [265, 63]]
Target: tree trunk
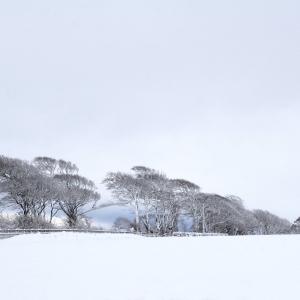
[[137, 219], [203, 219]]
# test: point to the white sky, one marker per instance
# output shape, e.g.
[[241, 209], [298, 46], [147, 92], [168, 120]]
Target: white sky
[[207, 91]]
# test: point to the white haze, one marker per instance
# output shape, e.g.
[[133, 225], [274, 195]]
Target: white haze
[[207, 91]]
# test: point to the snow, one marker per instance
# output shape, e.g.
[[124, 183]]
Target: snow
[[126, 266]]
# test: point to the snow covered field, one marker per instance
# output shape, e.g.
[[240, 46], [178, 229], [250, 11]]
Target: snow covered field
[[115, 266]]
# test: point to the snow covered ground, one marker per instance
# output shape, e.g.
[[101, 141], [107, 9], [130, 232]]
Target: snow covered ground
[[115, 266]]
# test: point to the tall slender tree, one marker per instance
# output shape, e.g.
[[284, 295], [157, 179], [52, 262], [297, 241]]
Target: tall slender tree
[[126, 190]]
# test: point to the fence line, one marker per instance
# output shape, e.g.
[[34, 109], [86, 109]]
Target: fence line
[[178, 234], [21, 231]]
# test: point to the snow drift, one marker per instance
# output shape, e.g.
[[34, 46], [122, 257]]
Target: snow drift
[[118, 266]]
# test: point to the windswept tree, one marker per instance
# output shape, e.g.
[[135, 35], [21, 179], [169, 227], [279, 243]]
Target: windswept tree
[[144, 175], [240, 221], [212, 212], [126, 190], [160, 207], [196, 205], [50, 167], [26, 190], [190, 197], [168, 204], [270, 223], [157, 200], [151, 196], [122, 223], [46, 184], [22, 185], [221, 215], [295, 228], [79, 196]]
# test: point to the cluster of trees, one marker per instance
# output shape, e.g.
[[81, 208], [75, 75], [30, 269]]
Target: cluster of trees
[[296, 226], [162, 205], [38, 190]]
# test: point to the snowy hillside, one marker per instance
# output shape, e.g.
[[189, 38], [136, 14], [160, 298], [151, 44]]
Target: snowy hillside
[[106, 266]]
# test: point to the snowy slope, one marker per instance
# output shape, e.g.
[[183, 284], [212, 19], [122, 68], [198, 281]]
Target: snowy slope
[[108, 266]]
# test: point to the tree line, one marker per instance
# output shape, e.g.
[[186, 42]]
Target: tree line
[[162, 206], [38, 190]]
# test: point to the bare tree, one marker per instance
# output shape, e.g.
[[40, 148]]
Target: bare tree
[[190, 197], [270, 223], [144, 176], [296, 226], [240, 221], [20, 183], [162, 202], [122, 223], [26, 190], [149, 193], [126, 190], [157, 200], [78, 197], [49, 167]]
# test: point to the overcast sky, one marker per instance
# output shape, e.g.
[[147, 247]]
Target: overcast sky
[[208, 91]]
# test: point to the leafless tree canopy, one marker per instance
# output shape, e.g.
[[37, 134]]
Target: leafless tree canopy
[[45, 185], [161, 204], [38, 190]]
